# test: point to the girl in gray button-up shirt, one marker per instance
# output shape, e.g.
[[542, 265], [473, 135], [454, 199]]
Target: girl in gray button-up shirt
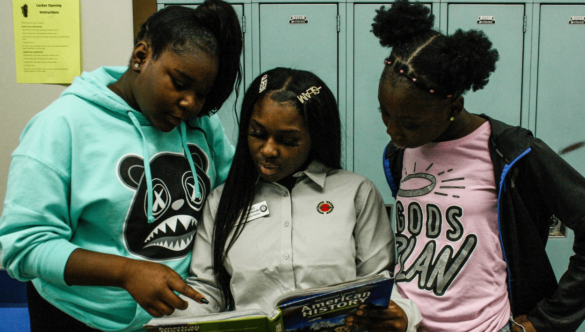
[[288, 217]]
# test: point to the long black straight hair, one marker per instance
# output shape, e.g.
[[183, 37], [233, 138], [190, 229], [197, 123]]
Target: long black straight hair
[[321, 116]]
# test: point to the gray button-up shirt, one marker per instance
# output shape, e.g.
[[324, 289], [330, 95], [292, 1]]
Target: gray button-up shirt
[[332, 227]]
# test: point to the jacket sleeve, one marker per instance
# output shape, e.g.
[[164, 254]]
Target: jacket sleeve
[[201, 276], [36, 227], [562, 190], [375, 245]]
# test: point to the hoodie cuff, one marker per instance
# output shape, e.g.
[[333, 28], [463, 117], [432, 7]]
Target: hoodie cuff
[[51, 261]]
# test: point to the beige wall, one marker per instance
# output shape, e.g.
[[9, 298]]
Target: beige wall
[[106, 39]]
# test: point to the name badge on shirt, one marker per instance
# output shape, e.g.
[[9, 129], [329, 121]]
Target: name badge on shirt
[[258, 210]]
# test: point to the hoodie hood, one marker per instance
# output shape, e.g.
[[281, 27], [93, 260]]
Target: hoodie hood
[[93, 87]]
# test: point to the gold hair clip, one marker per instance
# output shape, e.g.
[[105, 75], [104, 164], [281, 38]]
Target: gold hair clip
[[263, 83], [306, 95]]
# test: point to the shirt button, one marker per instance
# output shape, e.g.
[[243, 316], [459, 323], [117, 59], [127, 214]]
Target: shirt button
[[286, 224], [285, 256], [285, 194]]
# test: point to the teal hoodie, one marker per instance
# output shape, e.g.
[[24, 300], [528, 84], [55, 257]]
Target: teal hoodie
[[79, 179]]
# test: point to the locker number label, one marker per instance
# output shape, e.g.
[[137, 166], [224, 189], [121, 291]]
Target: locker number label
[[298, 19], [486, 20], [577, 20]]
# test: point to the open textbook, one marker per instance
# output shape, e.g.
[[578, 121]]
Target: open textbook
[[316, 309]]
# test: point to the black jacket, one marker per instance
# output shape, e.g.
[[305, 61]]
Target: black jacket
[[533, 184]]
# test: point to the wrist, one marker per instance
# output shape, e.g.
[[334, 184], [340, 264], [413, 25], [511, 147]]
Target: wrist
[[122, 274]]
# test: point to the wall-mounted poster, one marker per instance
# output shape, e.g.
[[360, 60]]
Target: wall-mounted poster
[[47, 40]]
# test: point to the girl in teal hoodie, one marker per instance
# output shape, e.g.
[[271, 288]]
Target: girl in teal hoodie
[[107, 185]]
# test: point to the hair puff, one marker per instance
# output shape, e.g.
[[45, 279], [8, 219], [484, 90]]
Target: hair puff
[[469, 59], [402, 22]]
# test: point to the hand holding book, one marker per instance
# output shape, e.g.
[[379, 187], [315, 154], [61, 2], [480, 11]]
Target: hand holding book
[[374, 319], [321, 308]]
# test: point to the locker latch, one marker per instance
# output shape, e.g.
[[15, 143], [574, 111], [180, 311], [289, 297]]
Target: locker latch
[[486, 20], [298, 19], [577, 20]]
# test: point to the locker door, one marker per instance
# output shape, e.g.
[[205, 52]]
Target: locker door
[[308, 45], [370, 136], [502, 96], [229, 114], [560, 116]]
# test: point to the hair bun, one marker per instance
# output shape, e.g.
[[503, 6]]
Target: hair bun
[[402, 22], [470, 58]]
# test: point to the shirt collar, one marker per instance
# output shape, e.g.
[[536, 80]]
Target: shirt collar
[[316, 171]]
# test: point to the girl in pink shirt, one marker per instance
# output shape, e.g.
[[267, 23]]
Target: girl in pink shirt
[[474, 196]]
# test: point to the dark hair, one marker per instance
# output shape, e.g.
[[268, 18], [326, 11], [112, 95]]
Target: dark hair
[[322, 119], [214, 28], [448, 65]]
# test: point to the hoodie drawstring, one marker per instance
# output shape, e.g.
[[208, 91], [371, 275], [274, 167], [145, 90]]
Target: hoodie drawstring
[[146, 167], [196, 191], [147, 172]]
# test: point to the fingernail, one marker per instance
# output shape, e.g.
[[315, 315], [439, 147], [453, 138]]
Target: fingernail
[[204, 300]]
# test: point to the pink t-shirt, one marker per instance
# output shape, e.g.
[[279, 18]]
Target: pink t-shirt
[[450, 262]]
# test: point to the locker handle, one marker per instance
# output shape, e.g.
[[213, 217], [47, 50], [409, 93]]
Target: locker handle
[[298, 19], [577, 20], [486, 20]]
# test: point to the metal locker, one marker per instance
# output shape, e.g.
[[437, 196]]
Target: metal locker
[[369, 132], [370, 136], [230, 111], [559, 110], [501, 98], [301, 36]]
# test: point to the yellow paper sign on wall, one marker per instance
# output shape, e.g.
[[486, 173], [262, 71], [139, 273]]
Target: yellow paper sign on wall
[[47, 40]]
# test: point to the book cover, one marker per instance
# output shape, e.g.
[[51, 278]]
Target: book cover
[[326, 311]]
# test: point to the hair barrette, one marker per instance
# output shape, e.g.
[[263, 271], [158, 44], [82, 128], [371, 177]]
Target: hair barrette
[[263, 83], [304, 96]]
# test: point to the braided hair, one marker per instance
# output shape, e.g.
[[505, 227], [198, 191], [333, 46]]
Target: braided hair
[[443, 65]]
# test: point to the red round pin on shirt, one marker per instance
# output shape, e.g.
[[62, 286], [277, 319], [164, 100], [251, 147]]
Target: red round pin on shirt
[[325, 207]]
